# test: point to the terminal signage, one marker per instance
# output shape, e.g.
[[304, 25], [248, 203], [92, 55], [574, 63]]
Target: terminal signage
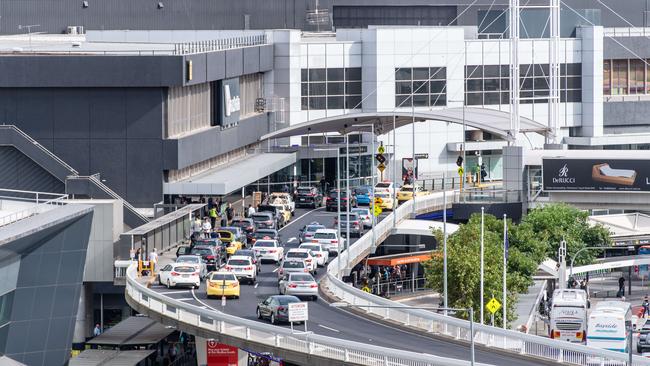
[[219, 354], [229, 102], [596, 175]]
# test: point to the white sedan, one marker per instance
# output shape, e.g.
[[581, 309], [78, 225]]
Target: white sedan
[[302, 255], [329, 239], [196, 261], [322, 254], [269, 250], [179, 274]]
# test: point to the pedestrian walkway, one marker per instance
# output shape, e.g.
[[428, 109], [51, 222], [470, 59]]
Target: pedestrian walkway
[[526, 306]]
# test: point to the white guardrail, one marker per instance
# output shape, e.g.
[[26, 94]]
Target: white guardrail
[[280, 338], [508, 340], [38, 202]]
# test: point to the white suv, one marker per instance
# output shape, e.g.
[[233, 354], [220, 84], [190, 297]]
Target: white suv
[[322, 254], [243, 268], [328, 238], [269, 250], [302, 255]]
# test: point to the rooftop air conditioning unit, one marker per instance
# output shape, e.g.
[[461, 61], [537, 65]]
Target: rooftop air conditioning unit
[[75, 29]]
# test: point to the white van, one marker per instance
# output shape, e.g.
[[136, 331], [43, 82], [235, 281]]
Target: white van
[[569, 315], [608, 325]]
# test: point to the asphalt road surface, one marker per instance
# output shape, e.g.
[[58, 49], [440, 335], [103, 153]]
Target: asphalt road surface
[[324, 319]]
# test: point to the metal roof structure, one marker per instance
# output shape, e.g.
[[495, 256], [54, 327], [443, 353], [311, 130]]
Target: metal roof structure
[[103, 357], [489, 120], [133, 331], [163, 220], [626, 229]]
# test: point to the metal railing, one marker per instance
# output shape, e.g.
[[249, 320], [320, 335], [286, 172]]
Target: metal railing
[[627, 32], [507, 340], [250, 331], [40, 147], [39, 202], [219, 44], [392, 287]]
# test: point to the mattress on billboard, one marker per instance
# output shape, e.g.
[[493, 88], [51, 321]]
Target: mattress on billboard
[[627, 175]]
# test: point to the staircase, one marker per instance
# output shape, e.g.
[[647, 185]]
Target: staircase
[[76, 184]]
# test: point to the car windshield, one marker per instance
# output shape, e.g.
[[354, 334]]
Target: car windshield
[[188, 259], [315, 248], [225, 234], [335, 194], [223, 276], [361, 191], [406, 189], [301, 277], [248, 253], [297, 255], [287, 300], [264, 244], [239, 262], [353, 217], [201, 251], [291, 264], [313, 228], [325, 236], [360, 211], [304, 190], [261, 217], [184, 269], [383, 185], [382, 195]]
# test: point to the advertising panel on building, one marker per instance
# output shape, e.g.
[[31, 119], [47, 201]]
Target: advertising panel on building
[[228, 101], [617, 175], [220, 354]]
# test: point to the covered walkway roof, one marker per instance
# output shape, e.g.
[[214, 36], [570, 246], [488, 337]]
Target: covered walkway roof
[[489, 120], [422, 227], [133, 331], [104, 357], [399, 259], [223, 180]]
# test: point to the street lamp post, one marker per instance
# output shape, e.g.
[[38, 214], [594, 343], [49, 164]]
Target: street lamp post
[[338, 189], [469, 310], [372, 174]]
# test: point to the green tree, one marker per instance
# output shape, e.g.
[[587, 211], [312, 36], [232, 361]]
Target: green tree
[[552, 223]]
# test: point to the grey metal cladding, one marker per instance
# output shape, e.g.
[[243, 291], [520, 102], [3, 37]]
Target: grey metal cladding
[[199, 68], [91, 71], [626, 47], [626, 113], [234, 62], [20, 172], [216, 65], [251, 60], [266, 58]]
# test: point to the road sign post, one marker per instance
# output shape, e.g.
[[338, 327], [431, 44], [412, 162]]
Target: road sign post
[[493, 305], [381, 159]]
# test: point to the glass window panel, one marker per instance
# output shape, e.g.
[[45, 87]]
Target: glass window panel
[[353, 87], [304, 105], [421, 100], [438, 73], [317, 103], [421, 87], [541, 93], [403, 74], [525, 70], [317, 74], [353, 102], [491, 71], [437, 86], [607, 77], [637, 77], [491, 84], [474, 72], [541, 70], [403, 87], [335, 74], [526, 84], [474, 98], [574, 69], [525, 97], [576, 82], [335, 102], [304, 89], [505, 84], [335, 88], [420, 73], [304, 75], [505, 98], [438, 100], [474, 85], [574, 96], [317, 89], [541, 83], [619, 77], [353, 73], [402, 101], [491, 98], [505, 71]]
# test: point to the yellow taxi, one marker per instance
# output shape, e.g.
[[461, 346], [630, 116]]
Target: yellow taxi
[[407, 191], [228, 238], [385, 201], [222, 284], [286, 212]]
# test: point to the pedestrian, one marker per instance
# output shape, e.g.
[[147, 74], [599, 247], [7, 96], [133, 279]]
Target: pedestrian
[[153, 260], [206, 227], [323, 184], [230, 213], [185, 340], [98, 330], [212, 212], [197, 224], [171, 352], [251, 210], [483, 172], [621, 287], [646, 306]]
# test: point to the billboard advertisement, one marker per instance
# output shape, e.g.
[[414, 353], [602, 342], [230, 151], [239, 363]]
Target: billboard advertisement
[[220, 354], [228, 101], [409, 170], [614, 175]]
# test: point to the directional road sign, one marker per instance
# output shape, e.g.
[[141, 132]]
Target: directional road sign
[[493, 305], [460, 171], [381, 149], [380, 158]]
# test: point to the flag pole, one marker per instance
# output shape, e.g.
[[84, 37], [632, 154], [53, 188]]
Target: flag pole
[[505, 269], [482, 231]]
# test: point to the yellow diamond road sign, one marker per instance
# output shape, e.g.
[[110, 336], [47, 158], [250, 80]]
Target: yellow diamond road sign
[[377, 210], [493, 305], [381, 149], [460, 170], [378, 201], [381, 167]]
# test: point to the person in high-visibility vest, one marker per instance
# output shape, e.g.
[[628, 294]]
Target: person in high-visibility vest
[[367, 289], [213, 215]]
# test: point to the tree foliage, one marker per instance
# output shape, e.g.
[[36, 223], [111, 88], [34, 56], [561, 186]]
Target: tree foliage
[[536, 238]]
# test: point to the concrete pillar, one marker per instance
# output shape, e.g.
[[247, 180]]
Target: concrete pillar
[[83, 324], [592, 80]]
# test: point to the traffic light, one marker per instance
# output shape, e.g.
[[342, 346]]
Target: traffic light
[[459, 161]]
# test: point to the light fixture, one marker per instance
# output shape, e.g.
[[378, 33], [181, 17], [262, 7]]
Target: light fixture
[[84, 4], [160, 5]]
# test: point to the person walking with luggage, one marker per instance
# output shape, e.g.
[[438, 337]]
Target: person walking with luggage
[[621, 287]]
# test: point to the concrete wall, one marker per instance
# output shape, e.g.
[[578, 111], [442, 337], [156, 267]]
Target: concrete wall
[[20, 172], [616, 114]]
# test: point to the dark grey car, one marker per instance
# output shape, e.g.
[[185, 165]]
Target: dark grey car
[[276, 308]]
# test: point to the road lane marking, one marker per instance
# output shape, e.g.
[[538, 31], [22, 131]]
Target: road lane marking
[[328, 328], [185, 299], [275, 270], [300, 217], [292, 239], [256, 284], [202, 303], [172, 292]]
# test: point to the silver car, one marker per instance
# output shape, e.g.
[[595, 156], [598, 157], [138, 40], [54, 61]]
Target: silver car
[[356, 226], [298, 284], [292, 267], [196, 261], [364, 216], [307, 232]]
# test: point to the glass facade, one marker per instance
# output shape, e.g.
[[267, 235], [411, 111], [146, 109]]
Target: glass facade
[[333, 88], [427, 84], [625, 77], [490, 84]]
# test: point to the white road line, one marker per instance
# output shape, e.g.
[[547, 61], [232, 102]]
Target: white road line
[[185, 299], [300, 217], [202, 303], [292, 239], [172, 292], [328, 328], [256, 284], [275, 270]]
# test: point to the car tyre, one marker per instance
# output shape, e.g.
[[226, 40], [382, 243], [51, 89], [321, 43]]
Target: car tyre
[[169, 285], [159, 282], [273, 320], [259, 313]]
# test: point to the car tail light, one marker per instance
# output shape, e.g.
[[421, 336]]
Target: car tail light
[[580, 335], [249, 228], [356, 223], [306, 270], [269, 222], [281, 308], [272, 251], [313, 285], [308, 260], [334, 241], [555, 334], [209, 257], [293, 285], [248, 268], [228, 268], [175, 274], [314, 241], [234, 284]]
